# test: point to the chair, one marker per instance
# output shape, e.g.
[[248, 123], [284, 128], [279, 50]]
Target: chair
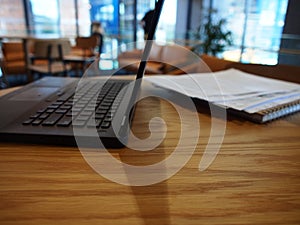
[[163, 59], [87, 45], [13, 58], [83, 53], [48, 57]]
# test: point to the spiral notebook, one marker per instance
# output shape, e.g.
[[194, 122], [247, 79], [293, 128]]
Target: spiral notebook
[[253, 97], [270, 113]]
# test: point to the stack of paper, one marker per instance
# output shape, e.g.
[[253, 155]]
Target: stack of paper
[[233, 89]]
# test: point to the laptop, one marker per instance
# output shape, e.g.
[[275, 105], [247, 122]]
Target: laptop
[[63, 110]]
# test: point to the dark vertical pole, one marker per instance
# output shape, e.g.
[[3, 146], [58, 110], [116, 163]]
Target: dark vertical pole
[[76, 17], [29, 31], [119, 38], [27, 13], [188, 20], [210, 10], [135, 22]]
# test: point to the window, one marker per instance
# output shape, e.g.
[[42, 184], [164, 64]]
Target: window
[[84, 19], [67, 18], [257, 27], [106, 12], [45, 17], [166, 27], [12, 16]]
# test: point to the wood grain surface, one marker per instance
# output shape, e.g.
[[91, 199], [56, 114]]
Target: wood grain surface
[[255, 178]]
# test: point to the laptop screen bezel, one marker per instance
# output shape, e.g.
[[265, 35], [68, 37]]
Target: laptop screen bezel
[[150, 39]]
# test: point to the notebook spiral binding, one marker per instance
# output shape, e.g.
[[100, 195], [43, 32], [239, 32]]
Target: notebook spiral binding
[[280, 111]]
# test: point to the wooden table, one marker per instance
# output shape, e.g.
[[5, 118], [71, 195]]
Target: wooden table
[[255, 179]]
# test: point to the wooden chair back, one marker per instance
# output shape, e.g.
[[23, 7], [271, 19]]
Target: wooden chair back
[[87, 45], [54, 49], [13, 58], [48, 57]]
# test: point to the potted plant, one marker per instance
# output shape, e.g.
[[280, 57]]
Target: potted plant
[[213, 36]]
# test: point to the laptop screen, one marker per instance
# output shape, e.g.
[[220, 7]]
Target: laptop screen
[[150, 37]]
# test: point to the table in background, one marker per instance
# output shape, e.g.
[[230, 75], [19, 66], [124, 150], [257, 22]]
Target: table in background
[[255, 179]]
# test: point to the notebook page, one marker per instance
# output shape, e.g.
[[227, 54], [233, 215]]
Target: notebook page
[[232, 88]]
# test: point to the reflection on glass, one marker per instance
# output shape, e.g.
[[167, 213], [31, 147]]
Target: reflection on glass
[[45, 17], [12, 16], [257, 27]]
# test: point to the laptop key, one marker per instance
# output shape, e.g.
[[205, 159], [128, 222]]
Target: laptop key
[[37, 122], [78, 123], [53, 106], [61, 111], [99, 116], [44, 115], [71, 113], [41, 110], [27, 122], [65, 121], [57, 103], [94, 122], [52, 119], [65, 106], [82, 118], [50, 110], [86, 113], [34, 116], [101, 111], [105, 124]]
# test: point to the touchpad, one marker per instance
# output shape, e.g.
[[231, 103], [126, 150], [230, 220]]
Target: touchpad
[[34, 94]]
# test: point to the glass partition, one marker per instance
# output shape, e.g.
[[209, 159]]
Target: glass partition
[[45, 17], [256, 26], [12, 16]]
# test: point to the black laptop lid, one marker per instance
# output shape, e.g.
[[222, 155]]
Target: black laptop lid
[[150, 37]]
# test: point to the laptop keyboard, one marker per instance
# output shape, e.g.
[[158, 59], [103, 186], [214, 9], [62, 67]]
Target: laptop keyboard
[[87, 108]]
